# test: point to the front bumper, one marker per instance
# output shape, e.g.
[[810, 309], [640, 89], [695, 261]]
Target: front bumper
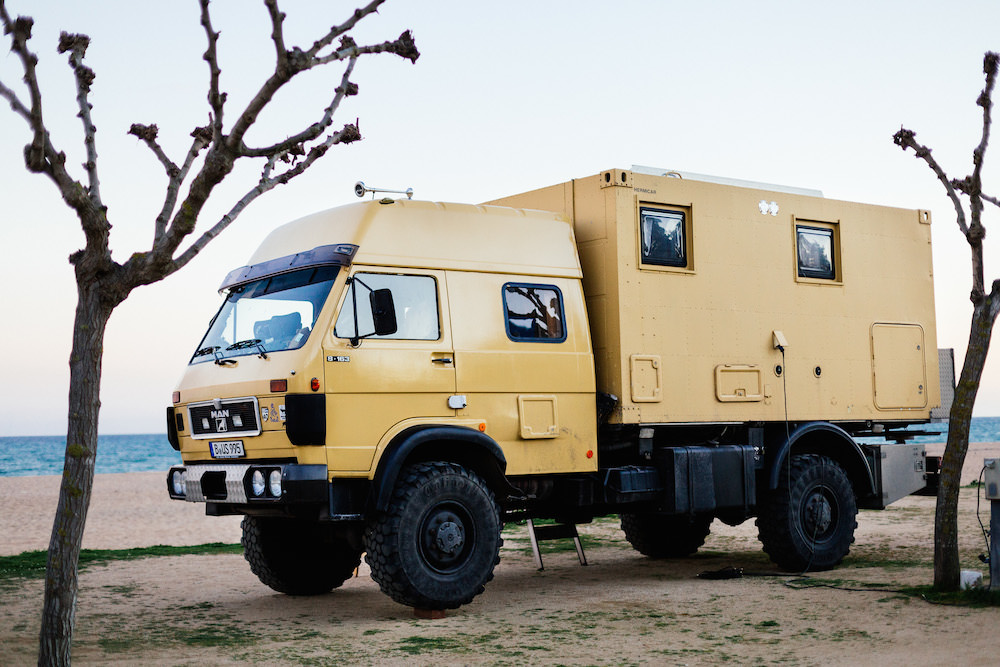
[[230, 483]]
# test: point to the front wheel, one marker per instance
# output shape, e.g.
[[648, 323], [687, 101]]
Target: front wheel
[[437, 544], [808, 522]]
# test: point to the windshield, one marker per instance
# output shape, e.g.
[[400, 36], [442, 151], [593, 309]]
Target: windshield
[[267, 315]]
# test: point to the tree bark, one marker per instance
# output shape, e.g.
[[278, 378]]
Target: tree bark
[[61, 573], [947, 568]]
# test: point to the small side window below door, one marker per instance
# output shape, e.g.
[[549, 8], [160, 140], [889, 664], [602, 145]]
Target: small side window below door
[[414, 299], [534, 313]]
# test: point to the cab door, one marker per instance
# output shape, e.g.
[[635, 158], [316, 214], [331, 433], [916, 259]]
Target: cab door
[[377, 381], [526, 368]]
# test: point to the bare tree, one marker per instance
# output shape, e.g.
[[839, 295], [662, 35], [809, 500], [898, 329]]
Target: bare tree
[[103, 283], [985, 307]]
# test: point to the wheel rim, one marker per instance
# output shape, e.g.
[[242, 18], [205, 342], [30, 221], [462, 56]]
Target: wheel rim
[[819, 514], [447, 537]]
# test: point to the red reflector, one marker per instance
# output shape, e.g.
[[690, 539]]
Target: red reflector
[[177, 397], [590, 453], [314, 384], [279, 386]]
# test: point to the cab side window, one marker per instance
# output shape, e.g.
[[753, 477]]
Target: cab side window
[[414, 299], [534, 313]]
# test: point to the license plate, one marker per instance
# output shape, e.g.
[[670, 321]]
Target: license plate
[[226, 449]]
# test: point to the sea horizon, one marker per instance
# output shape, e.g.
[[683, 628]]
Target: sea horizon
[[37, 455]]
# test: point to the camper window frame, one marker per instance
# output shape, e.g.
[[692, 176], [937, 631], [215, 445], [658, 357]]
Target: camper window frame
[[833, 276], [687, 230]]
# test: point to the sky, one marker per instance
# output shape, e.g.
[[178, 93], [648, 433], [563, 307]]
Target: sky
[[506, 97]]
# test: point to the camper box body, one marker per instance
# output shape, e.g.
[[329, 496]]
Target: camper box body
[[741, 325]]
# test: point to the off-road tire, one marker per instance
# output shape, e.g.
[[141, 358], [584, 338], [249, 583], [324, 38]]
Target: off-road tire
[[808, 522], [297, 557], [438, 542], [665, 536]]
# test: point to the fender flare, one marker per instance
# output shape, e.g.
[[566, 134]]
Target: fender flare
[[458, 444], [829, 440]]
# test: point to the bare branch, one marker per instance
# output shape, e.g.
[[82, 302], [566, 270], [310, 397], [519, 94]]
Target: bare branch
[[338, 30], [216, 99], [20, 32], [403, 46], [175, 175], [40, 156], [15, 104], [299, 61], [990, 61], [345, 89], [991, 200], [907, 139], [277, 31], [77, 45], [348, 134], [148, 135]]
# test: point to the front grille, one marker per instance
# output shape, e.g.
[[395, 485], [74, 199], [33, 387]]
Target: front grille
[[237, 416]]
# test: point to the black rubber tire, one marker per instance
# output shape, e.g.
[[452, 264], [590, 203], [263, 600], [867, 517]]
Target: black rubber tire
[[297, 557], [665, 536], [808, 522], [437, 544]]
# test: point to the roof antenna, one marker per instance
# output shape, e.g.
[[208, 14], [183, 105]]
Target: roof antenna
[[360, 189]]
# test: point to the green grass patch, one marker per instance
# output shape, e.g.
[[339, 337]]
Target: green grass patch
[[973, 597], [416, 644], [31, 564]]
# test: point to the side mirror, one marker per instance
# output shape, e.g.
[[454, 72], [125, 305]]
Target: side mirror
[[383, 312]]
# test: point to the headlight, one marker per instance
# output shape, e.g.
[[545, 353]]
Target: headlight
[[257, 483], [178, 480], [274, 483]]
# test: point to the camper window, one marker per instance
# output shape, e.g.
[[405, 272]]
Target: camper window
[[534, 313], [663, 237], [815, 251]]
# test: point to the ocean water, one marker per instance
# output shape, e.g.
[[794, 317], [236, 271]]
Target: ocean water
[[44, 454]]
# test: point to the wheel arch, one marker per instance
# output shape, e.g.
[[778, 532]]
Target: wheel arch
[[828, 440], [471, 449]]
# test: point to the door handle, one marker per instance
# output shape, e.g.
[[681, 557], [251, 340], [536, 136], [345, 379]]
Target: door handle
[[442, 360]]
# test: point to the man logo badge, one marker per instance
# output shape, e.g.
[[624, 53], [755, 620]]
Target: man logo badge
[[221, 426]]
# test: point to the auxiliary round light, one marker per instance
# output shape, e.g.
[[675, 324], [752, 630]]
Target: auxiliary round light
[[274, 483], [177, 480], [257, 483]]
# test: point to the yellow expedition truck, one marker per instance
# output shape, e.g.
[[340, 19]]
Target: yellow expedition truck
[[400, 378]]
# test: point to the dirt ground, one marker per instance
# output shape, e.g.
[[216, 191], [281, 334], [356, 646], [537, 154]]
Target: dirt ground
[[620, 609]]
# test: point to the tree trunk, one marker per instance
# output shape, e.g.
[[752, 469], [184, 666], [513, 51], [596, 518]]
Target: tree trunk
[[947, 568], [61, 577]]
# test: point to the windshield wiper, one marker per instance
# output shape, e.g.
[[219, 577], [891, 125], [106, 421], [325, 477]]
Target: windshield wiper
[[249, 342], [206, 350]]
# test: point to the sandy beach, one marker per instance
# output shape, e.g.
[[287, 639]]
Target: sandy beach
[[620, 609]]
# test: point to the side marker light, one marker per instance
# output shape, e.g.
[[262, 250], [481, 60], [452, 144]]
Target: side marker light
[[314, 384]]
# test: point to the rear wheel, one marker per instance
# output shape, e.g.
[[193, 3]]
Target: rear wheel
[[665, 536], [808, 522], [437, 544], [297, 557]]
